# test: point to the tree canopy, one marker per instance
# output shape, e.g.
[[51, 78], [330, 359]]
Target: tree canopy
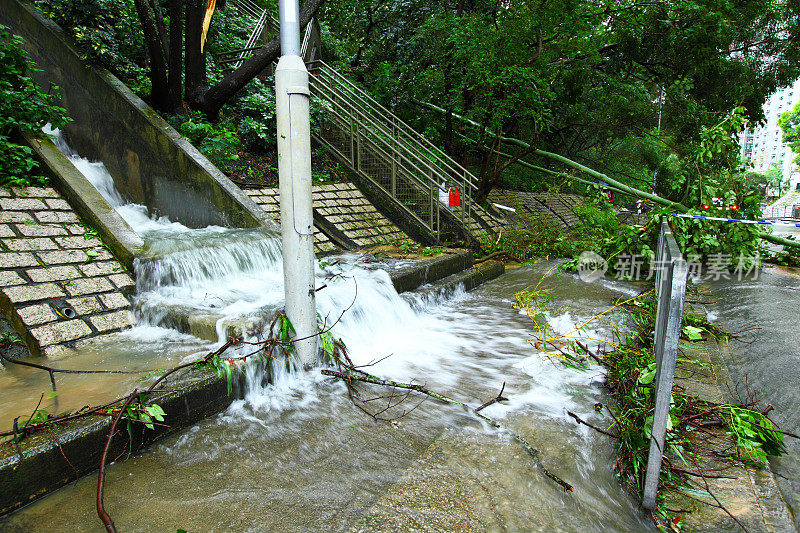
[[588, 80]]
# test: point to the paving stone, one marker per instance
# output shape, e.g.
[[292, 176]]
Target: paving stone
[[30, 245], [58, 351], [56, 216], [16, 260], [6, 231], [85, 305], [114, 300], [76, 229], [36, 192], [56, 273], [100, 268], [9, 277], [82, 286], [29, 293], [112, 321], [57, 203], [58, 332], [59, 257], [14, 216], [40, 230], [21, 204], [33, 315], [78, 242], [102, 255], [5, 193]]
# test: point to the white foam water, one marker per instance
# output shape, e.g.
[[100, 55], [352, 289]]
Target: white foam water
[[234, 272]]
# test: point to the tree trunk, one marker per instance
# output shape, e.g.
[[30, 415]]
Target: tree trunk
[[162, 30], [175, 54], [158, 66], [195, 78], [211, 100]]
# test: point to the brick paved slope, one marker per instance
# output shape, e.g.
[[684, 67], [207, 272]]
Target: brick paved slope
[[48, 259], [344, 207]]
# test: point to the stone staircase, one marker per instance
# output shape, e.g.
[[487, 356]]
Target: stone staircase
[[787, 206]]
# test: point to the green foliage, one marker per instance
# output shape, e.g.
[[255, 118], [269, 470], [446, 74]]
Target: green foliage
[[218, 142], [23, 107], [540, 237], [631, 372], [789, 122], [754, 433], [108, 32], [584, 80], [255, 114], [610, 238], [144, 412]]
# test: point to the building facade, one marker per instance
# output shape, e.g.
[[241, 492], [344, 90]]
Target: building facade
[[761, 145]]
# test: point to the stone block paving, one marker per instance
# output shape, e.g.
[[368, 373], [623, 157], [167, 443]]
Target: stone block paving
[[532, 205], [49, 261], [345, 207], [482, 225]]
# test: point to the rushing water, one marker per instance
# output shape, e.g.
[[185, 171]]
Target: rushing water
[[766, 363], [296, 455]]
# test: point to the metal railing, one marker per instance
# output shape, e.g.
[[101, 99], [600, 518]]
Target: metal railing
[[671, 273], [234, 59], [786, 211], [409, 169], [387, 151]]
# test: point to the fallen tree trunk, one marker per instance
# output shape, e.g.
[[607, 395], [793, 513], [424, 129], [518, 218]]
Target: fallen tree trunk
[[611, 182]]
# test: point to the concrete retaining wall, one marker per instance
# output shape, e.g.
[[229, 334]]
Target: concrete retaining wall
[[150, 162]]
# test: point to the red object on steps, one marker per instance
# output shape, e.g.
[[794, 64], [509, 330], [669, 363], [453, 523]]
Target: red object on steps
[[454, 198]]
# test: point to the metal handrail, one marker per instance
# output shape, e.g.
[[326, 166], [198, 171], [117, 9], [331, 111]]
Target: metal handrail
[[306, 39], [373, 131], [368, 121], [378, 135], [444, 171], [371, 103], [388, 116]]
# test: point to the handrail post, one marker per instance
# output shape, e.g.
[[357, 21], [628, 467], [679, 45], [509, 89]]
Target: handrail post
[[394, 159], [352, 143], [434, 198]]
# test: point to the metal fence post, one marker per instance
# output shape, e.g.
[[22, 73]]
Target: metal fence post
[[434, 199], [671, 287], [394, 158]]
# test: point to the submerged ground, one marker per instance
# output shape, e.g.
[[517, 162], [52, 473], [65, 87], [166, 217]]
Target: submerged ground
[[298, 456]]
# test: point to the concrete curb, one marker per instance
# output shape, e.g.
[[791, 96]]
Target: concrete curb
[[408, 279], [87, 201]]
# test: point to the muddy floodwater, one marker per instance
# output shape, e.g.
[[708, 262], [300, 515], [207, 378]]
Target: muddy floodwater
[[766, 363], [297, 456]]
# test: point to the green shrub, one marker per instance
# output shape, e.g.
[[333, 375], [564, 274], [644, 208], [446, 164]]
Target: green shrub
[[256, 116], [107, 32], [23, 107], [218, 142]]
